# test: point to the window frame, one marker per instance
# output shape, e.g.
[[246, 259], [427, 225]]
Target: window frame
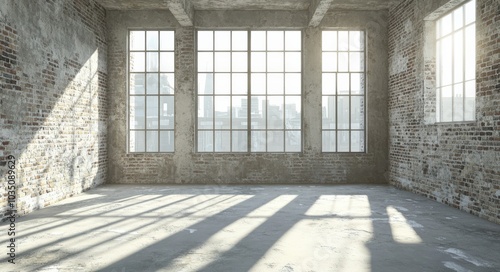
[[249, 95], [158, 95], [364, 129], [437, 75]]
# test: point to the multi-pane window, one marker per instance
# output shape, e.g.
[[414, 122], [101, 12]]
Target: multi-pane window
[[343, 91], [151, 91], [249, 91], [456, 64]]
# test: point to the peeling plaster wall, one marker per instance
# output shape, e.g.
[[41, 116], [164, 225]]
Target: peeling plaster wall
[[53, 108], [187, 166], [453, 163]]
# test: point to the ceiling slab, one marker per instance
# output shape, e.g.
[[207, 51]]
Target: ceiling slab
[[247, 4]]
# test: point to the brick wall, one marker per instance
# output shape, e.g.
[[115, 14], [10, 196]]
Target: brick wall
[[455, 163], [53, 103]]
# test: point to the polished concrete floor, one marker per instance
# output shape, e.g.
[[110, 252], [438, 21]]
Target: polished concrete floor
[[252, 228]]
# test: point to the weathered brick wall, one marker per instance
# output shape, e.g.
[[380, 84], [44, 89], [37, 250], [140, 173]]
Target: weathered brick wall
[[187, 166], [53, 103], [455, 163]]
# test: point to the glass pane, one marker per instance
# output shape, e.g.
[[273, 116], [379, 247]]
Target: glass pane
[[292, 112], [458, 59], [328, 83], [239, 84], [458, 102], [275, 112], [152, 141], [329, 40], [240, 141], [152, 110], [438, 64], [205, 112], [223, 62], [167, 112], [167, 141], [354, 40], [258, 141], [137, 40], [329, 62], [357, 112], [240, 41], [470, 12], [446, 104], [152, 40], [275, 141], [137, 141], [205, 141], [258, 83], [205, 62], [258, 111], [258, 40], [222, 40], [293, 83], [470, 100], [152, 61], [470, 49], [205, 83], [275, 40], [343, 141], [222, 83], [205, 40], [293, 40], [343, 40], [167, 83], [167, 40], [357, 141], [446, 64], [446, 25], [328, 141], [137, 62], [137, 83], [239, 62], [293, 62], [275, 62], [292, 141], [240, 112], [343, 83], [458, 18], [328, 112], [357, 83], [258, 62], [343, 112], [222, 112], [152, 83], [343, 62], [356, 62], [275, 83], [167, 62], [222, 141], [137, 112]]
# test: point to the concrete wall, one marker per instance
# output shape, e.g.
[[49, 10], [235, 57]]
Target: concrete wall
[[187, 166], [53, 104], [454, 163]]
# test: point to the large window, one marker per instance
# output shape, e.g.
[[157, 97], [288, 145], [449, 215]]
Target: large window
[[249, 91], [456, 64], [343, 91], [151, 91]]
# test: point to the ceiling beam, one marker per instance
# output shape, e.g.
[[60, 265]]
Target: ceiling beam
[[182, 10], [317, 11]]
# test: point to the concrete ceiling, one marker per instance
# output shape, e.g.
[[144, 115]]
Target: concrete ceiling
[[248, 4]]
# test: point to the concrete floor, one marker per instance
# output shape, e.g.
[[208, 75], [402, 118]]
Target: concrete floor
[[252, 228]]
